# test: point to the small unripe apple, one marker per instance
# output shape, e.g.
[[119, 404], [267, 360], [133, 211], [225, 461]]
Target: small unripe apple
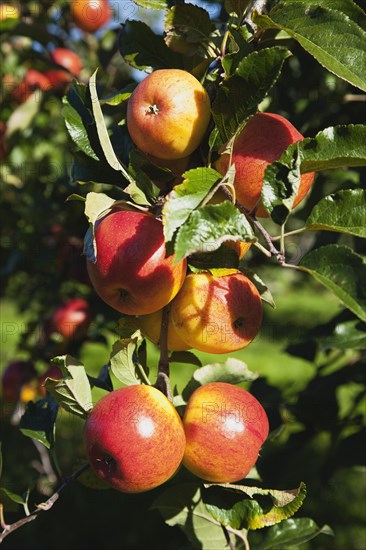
[[90, 15], [217, 314], [134, 439], [225, 428], [72, 319], [132, 273], [15, 376], [150, 326], [168, 114], [263, 140]]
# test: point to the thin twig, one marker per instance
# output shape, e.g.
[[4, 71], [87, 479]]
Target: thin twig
[[230, 543], [43, 507], [163, 382]]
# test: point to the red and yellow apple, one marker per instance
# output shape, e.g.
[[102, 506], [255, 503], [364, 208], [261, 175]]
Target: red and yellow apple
[[16, 375], [134, 439], [90, 15], [72, 319], [150, 326], [225, 428], [263, 140], [168, 114], [132, 273], [217, 314]]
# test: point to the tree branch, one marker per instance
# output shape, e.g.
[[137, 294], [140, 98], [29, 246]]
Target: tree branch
[[43, 507], [163, 382]]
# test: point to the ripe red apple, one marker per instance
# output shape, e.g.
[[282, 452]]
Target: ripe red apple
[[132, 273], [53, 372], [168, 114], [263, 140], [225, 428], [217, 314], [72, 319], [90, 15], [134, 439], [68, 59], [15, 376]]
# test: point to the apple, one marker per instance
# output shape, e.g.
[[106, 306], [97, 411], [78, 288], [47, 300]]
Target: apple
[[134, 439], [263, 140], [16, 375], [225, 428], [53, 372], [168, 114], [150, 326], [90, 15], [68, 59], [132, 273], [72, 319], [217, 314], [37, 80]]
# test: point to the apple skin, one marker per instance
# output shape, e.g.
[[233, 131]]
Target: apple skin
[[72, 319], [16, 375], [134, 439], [263, 140], [68, 59], [150, 326], [132, 273], [217, 314], [225, 428], [168, 114], [90, 15]]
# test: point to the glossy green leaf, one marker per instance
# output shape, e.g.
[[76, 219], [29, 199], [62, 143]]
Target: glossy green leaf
[[153, 4], [73, 391], [232, 371], [292, 532], [265, 293], [343, 211], [347, 335], [38, 421], [239, 95], [187, 196], [238, 49], [250, 514], [77, 118], [143, 49], [187, 30], [181, 505], [18, 499], [102, 131], [186, 357], [343, 272], [208, 227], [336, 41], [347, 7], [334, 147], [123, 362], [119, 97]]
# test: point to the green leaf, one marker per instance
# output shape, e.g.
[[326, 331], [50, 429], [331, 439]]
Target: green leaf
[[102, 131], [336, 41], [123, 362], [96, 206], [292, 532], [347, 335], [181, 505], [12, 496], [238, 49], [119, 97], [188, 30], [343, 272], [22, 117], [208, 227], [153, 4], [343, 211], [144, 50], [250, 512], [239, 95], [73, 391], [232, 371], [38, 421], [187, 196], [266, 294], [186, 357], [334, 147], [78, 118]]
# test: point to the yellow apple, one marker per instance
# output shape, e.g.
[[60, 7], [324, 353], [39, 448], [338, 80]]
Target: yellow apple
[[150, 326]]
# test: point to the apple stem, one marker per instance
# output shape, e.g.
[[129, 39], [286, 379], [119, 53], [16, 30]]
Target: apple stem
[[163, 381]]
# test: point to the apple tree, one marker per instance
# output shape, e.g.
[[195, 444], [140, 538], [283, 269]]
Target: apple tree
[[201, 206]]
